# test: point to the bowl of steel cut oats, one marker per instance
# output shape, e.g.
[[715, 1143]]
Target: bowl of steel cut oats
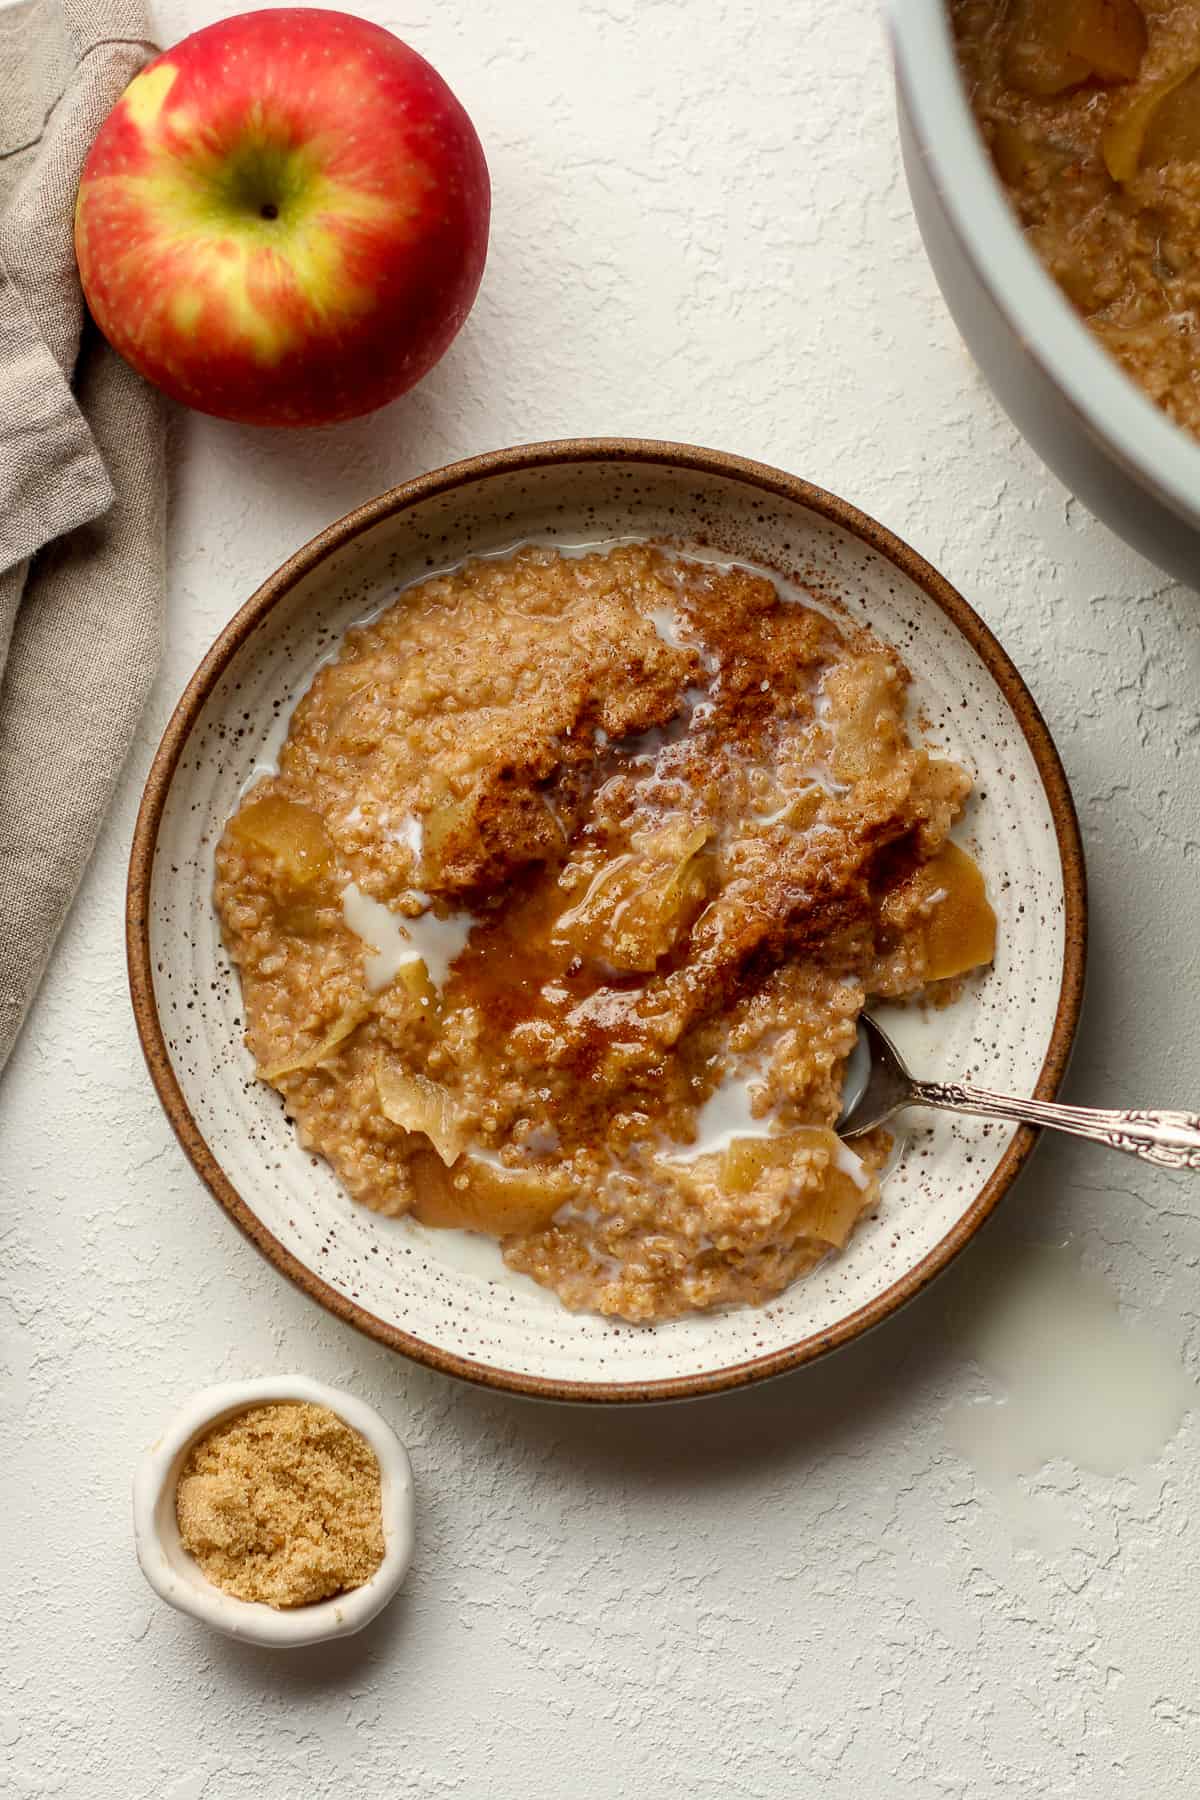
[[511, 879]]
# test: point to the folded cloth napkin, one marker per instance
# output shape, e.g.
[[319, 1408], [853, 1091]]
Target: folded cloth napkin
[[82, 487]]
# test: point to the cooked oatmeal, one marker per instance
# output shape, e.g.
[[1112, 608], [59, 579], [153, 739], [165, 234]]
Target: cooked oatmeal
[[1091, 109], [557, 919]]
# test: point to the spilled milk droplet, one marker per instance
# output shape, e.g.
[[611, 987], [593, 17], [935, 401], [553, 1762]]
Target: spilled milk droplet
[[1071, 1377]]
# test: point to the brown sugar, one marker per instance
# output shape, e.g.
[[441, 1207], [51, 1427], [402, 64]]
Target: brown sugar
[[282, 1504]]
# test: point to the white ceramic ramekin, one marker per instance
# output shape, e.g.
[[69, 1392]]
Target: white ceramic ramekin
[[177, 1578]]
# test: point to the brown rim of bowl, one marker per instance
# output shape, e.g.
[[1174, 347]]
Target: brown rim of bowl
[[652, 453]]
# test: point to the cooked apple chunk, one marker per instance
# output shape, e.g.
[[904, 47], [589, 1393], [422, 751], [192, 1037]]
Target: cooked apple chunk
[[1055, 45]]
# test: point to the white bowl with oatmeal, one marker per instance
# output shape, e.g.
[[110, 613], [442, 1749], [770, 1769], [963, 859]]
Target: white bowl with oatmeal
[[1100, 434], [588, 794]]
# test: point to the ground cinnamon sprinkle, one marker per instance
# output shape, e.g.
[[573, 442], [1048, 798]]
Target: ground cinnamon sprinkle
[[282, 1504]]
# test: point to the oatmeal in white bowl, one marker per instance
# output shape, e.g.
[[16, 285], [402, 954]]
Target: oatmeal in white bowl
[[551, 886]]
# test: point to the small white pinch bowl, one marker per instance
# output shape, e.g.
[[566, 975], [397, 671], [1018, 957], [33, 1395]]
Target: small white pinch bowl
[[178, 1579]]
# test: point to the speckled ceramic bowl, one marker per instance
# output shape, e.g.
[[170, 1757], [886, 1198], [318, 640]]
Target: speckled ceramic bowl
[[447, 1298]]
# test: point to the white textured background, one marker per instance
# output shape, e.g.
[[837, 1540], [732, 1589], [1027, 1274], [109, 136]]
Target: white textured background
[[700, 231]]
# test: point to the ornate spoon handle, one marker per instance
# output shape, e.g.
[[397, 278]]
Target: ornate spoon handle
[[1169, 1139]]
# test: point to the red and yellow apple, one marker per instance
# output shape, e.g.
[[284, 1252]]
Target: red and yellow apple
[[284, 219]]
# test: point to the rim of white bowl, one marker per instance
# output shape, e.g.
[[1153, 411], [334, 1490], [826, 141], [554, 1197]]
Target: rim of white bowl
[[178, 1579], [1136, 434]]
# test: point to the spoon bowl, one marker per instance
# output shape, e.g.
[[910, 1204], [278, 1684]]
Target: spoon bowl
[[881, 1085], [877, 1085]]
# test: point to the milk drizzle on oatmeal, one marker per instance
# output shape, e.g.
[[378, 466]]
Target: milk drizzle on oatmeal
[[631, 829], [728, 1113], [393, 942]]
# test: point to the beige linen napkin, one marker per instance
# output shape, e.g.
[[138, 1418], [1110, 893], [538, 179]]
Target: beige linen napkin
[[81, 487]]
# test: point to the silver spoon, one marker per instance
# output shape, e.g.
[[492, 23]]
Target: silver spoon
[[878, 1085]]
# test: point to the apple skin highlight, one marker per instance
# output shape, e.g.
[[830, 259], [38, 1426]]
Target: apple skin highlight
[[284, 219]]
